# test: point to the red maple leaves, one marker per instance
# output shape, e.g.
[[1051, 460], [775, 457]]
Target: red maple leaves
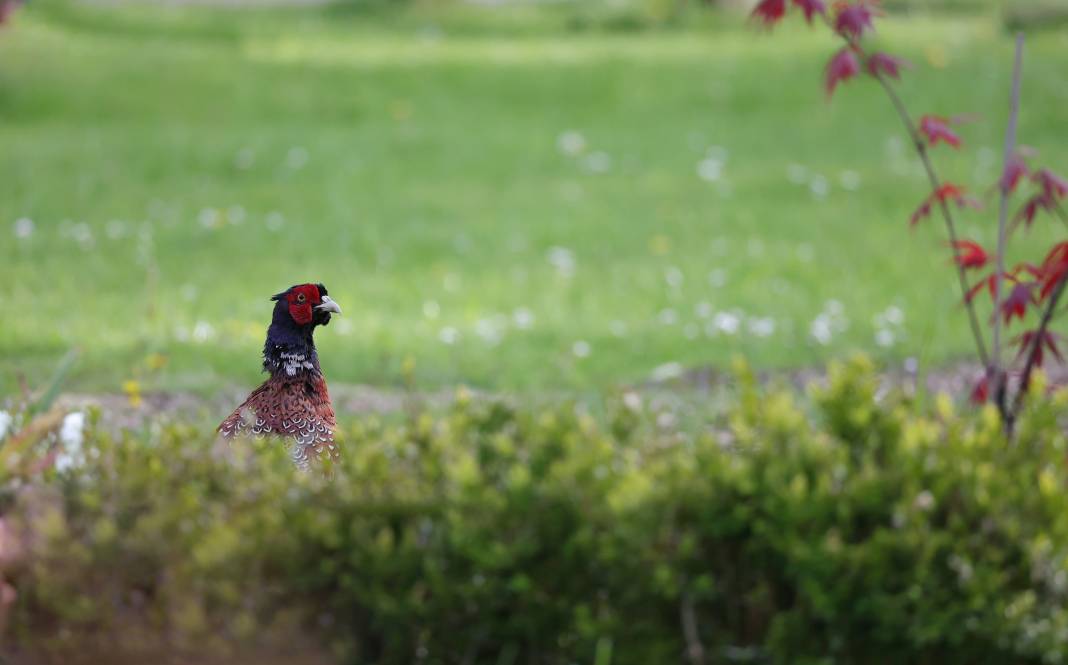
[[770, 12], [936, 130], [1047, 342], [1022, 288], [948, 192], [970, 254], [884, 63], [1015, 171], [843, 66], [853, 20]]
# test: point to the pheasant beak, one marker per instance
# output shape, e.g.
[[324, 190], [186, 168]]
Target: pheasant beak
[[328, 305]]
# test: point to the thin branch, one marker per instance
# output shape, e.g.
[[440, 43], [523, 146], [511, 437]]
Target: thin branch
[[1036, 346], [994, 370], [932, 177], [1036, 343], [947, 214], [694, 649]]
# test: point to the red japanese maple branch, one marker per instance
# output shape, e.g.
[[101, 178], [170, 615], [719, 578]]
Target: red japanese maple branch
[[880, 75], [1034, 350], [943, 205], [994, 370]]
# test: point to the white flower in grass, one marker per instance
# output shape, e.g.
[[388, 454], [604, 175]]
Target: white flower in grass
[[726, 322], [581, 349], [797, 174], [563, 259], [761, 326], [296, 158], [203, 332], [116, 229], [236, 215], [571, 143], [674, 277], [598, 162], [275, 221], [829, 322], [691, 331], [667, 371], [449, 335], [5, 423], [884, 338], [523, 318], [709, 169], [702, 309], [431, 309], [490, 330], [924, 501], [819, 187], [209, 218], [849, 180], [717, 278], [82, 234], [617, 328], [667, 317], [71, 436], [894, 315], [632, 401], [23, 228]]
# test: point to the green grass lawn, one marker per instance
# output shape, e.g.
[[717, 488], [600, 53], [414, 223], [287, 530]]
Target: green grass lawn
[[504, 202]]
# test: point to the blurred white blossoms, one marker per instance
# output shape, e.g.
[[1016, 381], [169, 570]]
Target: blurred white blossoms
[[523, 318], [727, 323], [667, 371], [275, 221], [563, 259], [761, 326], [5, 423], [710, 168], [828, 323], [598, 162], [23, 228], [449, 335], [849, 180], [888, 326], [580, 349], [571, 143], [71, 436]]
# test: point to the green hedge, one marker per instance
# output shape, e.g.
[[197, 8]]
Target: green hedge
[[848, 526]]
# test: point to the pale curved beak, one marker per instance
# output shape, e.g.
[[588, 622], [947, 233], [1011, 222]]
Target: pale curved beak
[[328, 305]]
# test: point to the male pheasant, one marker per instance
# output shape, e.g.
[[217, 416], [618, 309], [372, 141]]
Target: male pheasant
[[293, 403]]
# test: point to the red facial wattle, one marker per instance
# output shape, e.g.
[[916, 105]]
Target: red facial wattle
[[301, 300]]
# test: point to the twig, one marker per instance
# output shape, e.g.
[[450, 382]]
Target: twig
[[694, 649], [1036, 343], [994, 371], [932, 177], [947, 215]]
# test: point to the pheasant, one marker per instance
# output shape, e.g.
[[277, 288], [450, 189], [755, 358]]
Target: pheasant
[[293, 403]]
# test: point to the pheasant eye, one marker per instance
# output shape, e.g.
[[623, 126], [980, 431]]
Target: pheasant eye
[[301, 297]]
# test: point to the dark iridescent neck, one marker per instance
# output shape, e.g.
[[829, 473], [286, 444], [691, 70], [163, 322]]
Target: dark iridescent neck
[[290, 349]]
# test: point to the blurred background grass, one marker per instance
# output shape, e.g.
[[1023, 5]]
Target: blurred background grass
[[519, 196]]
